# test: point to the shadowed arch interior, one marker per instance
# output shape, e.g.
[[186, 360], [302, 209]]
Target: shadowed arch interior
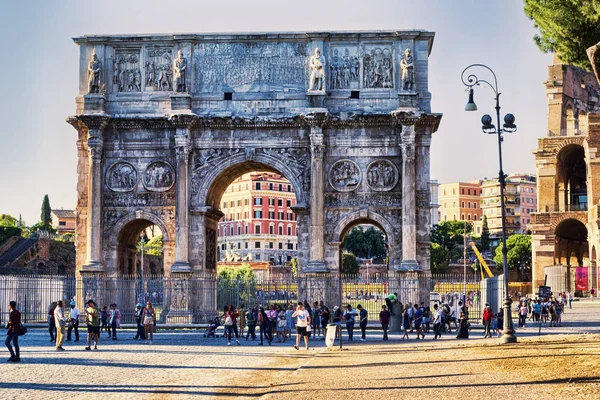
[[571, 177], [127, 241], [353, 224]]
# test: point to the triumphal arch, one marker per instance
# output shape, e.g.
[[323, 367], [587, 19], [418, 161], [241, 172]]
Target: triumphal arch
[[166, 122]]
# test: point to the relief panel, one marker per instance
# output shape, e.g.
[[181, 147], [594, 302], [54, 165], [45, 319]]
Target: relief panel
[[126, 71], [344, 176], [159, 176], [121, 177], [382, 175], [159, 70], [250, 67], [344, 68], [378, 66]]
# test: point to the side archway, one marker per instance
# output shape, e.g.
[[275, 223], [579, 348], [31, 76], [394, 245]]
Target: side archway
[[366, 217]]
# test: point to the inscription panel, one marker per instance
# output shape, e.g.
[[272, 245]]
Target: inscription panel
[[250, 67]]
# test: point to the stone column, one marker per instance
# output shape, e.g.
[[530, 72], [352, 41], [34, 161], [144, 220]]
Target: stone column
[[409, 220], [93, 261], [317, 192], [183, 124], [423, 197]]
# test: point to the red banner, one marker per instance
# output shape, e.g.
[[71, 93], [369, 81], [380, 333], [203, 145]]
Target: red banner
[[581, 278]]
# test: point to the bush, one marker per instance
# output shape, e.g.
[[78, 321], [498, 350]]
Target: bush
[[6, 232]]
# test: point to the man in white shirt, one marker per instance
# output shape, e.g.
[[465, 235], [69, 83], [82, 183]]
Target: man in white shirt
[[59, 319], [437, 321], [73, 322], [302, 323]]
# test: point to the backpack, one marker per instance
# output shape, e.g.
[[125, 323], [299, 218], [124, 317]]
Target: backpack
[[228, 321]]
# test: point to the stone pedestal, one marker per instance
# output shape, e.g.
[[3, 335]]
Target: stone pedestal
[[94, 103], [408, 100], [181, 102], [89, 288], [180, 294], [316, 98]]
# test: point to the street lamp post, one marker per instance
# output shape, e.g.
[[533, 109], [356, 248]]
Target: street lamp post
[[470, 79]]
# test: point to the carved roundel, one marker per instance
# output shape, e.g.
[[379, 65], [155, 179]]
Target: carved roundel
[[159, 176], [121, 177], [382, 175], [344, 175]]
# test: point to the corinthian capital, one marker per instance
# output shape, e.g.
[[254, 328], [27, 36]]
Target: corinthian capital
[[315, 119]]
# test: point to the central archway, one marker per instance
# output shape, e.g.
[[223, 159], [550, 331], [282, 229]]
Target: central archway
[[207, 209]]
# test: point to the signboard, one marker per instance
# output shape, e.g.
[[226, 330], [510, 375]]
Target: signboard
[[581, 278]]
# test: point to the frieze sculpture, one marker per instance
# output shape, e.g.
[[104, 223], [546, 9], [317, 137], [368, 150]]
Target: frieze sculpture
[[139, 199], [344, 175], [126, 74], [381, 199], [121, 177], [408, 70], [94, 74], [317, 72], [378, 68], [159, 71], [250, 67], [159, 176], [344, 71], [382, 175], [180, 72]]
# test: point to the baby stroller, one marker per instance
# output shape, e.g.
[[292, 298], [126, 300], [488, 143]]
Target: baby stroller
[[212, 327]]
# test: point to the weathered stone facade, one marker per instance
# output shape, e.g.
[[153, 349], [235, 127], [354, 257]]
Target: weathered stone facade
[[163, 137], [565, 228]]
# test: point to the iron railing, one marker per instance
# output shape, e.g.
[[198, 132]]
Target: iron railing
[[206, 295]]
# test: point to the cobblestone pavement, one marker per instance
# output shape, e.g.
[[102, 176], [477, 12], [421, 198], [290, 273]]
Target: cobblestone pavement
[[183, 364]]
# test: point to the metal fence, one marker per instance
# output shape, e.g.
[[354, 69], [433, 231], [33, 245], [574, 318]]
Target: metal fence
[[198, 298]]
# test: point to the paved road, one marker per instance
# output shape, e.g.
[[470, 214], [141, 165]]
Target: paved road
[[183, 364]]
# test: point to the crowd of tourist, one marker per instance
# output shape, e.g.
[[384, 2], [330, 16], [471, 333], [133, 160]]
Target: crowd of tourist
[[293, 321]]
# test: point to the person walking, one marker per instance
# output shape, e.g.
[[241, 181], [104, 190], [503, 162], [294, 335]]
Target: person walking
[[149, 317], [592, 293], [73, 322], [570, 300], [349, 315], [289, 321], [499, 322], [437, 321], [523, 314], [263, 323], [325, 315], [487, 320], [418, 315], [406, 321], [115, 320], [362, 322], [139, 320], [61, 325], [315, 319], [52, 321], [463, 328], [92, 321], [251, 321], [104, 316], [384, 320], [302, 322], [13, 331], [241, 321], [230, 316]]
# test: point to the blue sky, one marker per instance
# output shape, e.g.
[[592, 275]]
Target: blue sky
[[39, 75]]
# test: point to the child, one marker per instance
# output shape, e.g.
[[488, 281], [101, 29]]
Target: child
[[281, 325]]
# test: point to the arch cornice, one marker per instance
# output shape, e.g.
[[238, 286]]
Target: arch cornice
[[293, 164], [137, 215], [557, 218], [365, 215]]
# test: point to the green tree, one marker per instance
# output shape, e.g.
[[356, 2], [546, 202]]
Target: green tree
[[485, 235], [449, 234], [566, 27], [7, 220], [154, 246], [365, 244], [438, 258], [519, 252], [46, 217], [350, 264]]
